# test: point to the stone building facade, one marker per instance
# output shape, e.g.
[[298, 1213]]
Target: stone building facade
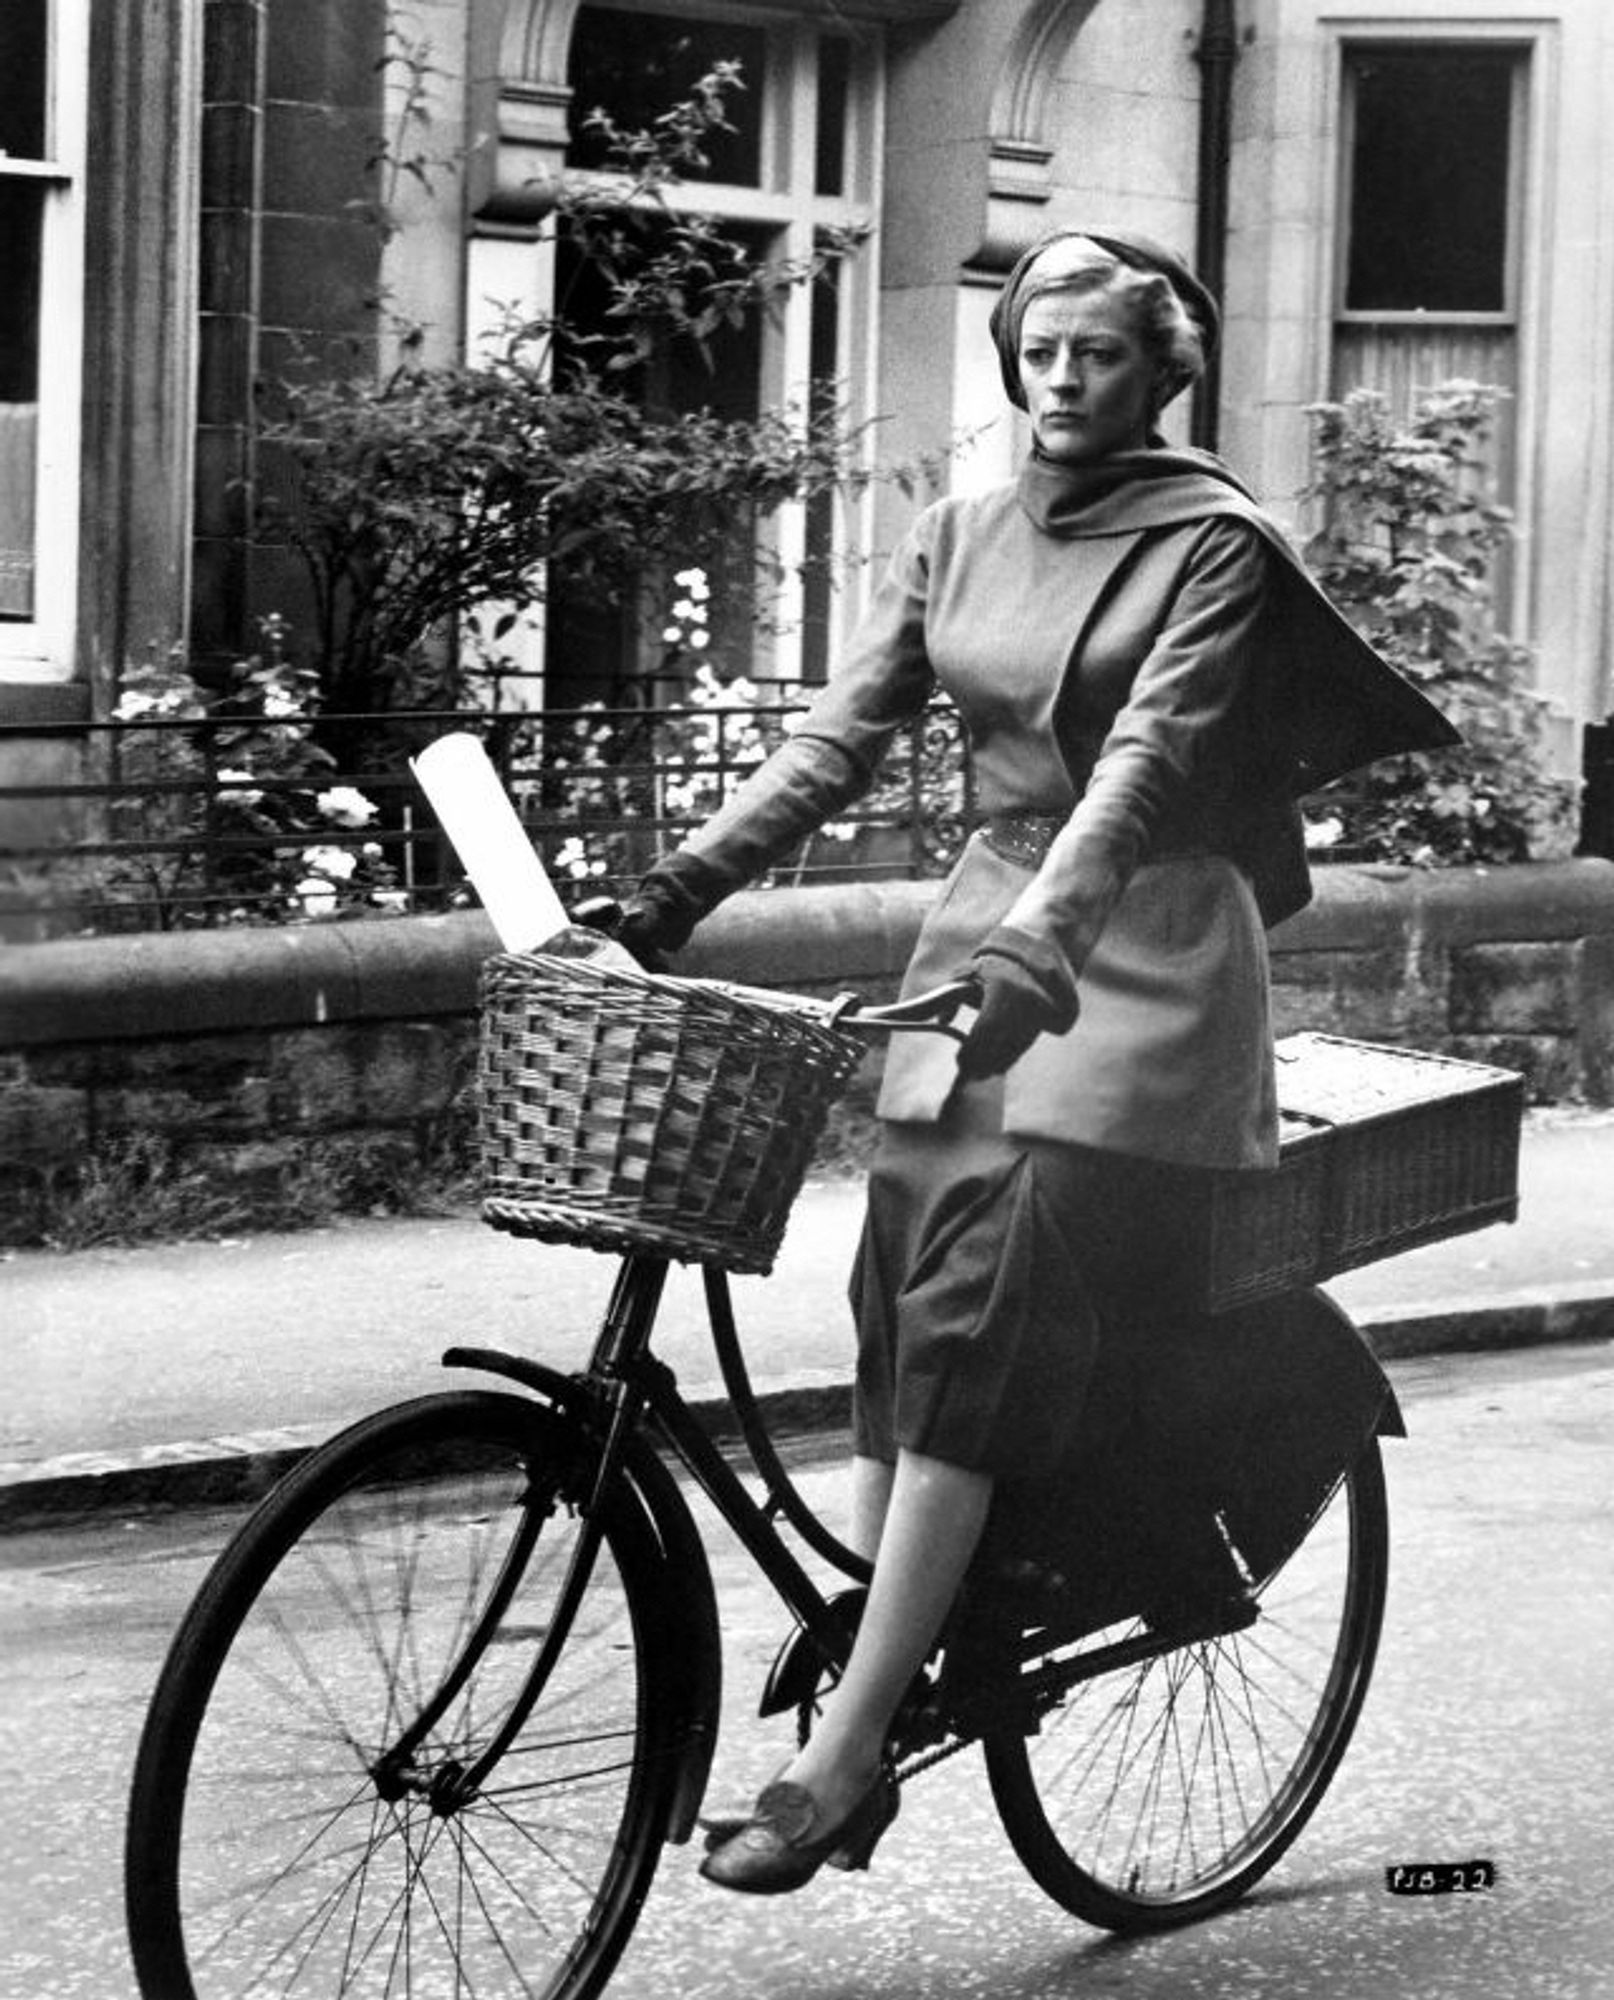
[[1384, 191]]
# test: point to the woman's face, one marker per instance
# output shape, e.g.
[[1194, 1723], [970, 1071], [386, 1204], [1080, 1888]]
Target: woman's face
[[1090, 386]]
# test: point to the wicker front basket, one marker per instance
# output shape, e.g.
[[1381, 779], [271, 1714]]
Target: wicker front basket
[[629, 1111], [1381, 1149]]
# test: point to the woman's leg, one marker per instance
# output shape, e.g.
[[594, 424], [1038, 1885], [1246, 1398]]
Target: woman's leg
[[871, 1498], [931, 1527]]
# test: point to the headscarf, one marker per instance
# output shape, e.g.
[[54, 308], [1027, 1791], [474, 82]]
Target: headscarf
[[1141, 253]]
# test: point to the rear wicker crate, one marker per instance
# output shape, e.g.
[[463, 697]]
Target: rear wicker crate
[[1381, 1149]]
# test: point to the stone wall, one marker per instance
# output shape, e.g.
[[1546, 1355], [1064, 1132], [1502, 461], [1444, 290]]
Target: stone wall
[[339, 1052]]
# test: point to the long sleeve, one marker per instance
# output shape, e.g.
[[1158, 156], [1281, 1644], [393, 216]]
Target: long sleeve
[[1167, 747], [832, 756]]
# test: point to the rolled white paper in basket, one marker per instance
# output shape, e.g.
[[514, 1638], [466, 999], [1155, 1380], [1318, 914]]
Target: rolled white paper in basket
[[476, 814]]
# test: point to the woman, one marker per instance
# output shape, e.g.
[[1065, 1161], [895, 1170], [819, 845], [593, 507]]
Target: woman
[[1148, 680]]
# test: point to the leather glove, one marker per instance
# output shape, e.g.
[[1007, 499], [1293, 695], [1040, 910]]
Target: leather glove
[[666, 906], [644, 929], [1027, 990]]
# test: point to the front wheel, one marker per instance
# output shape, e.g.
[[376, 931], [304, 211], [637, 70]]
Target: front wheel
[[1160, 1792], [308, 1814]]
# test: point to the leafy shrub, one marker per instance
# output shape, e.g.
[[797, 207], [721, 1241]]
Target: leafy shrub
[[1408, 550]]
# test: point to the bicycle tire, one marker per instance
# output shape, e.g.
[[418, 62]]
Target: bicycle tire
[[403, 1575], [1160, 1794]]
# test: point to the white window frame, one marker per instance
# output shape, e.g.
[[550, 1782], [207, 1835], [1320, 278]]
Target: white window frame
[[41, 649], [784, 202]]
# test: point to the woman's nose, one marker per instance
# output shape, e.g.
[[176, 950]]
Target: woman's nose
[[1066, 372]]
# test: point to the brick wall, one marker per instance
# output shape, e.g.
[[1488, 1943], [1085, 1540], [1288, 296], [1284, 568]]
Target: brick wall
[[343, 1049]]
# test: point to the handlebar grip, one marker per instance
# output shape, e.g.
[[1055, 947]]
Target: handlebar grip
[[932, 1010]]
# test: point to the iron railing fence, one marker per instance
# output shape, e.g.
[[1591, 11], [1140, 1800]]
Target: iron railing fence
[[170, 822]]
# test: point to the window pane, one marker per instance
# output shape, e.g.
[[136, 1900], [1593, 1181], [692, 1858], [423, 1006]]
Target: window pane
[[834, 67], [595, 650], [724, 377], [22, 78], [818, 583], [1429, 180], [21, 205], [637, 66]]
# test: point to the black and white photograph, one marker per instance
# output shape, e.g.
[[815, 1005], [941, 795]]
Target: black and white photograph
[[807, 999]]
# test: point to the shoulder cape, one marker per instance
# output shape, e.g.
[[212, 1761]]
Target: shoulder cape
[[1334, 704]]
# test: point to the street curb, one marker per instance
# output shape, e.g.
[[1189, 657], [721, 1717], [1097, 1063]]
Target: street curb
[[237, 1468]]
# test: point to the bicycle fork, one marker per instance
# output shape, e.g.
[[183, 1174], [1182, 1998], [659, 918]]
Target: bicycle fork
[[613, 1465]]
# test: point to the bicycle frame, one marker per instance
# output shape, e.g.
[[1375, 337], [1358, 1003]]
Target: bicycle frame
[[627, 1398]]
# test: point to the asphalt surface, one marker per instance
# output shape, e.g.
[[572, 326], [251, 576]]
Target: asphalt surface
[[1480, 1739], [193, 1372]]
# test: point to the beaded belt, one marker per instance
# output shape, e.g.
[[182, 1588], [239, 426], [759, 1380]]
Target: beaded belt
[[1023, 837]]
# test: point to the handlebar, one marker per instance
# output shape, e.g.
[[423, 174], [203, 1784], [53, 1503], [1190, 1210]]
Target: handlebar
[[930, 1012]]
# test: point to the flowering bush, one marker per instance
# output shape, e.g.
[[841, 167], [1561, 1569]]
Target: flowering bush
[[1408, 550], [222, 806], [676, 766]]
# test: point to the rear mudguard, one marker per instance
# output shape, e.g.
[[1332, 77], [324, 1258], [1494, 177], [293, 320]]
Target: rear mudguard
[[685, 1614]]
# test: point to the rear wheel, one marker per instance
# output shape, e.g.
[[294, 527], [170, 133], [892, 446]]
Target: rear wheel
[[1159, 1792], [306, 1817]]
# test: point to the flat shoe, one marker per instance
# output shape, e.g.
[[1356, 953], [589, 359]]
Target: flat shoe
[[777, 1849]]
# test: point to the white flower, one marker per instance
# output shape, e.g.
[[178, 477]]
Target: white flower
[[347, 806], [572, 858], [334, 862], [691, 612], [277, 704], [694, 582], [242, 791], [670, 635], [317, 896], [699, 639], [371, 850]]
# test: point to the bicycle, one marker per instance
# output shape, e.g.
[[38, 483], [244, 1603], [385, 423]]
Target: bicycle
[[454, 1684]]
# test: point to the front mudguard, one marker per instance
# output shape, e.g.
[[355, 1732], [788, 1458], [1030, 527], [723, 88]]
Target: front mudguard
[[683, 1618]]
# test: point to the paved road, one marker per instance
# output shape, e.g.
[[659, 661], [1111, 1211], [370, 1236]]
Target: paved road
[[1486, 1734]]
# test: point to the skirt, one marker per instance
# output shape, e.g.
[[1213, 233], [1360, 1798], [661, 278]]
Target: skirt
[[988, 1269], [1024, 1309]]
